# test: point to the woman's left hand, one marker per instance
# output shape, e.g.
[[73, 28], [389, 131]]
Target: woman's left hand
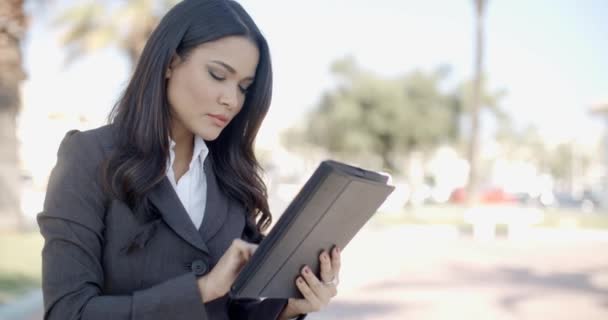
[[317, 292]]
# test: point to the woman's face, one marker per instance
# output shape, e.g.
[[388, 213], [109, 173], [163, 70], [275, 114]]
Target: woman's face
[[207, 89]]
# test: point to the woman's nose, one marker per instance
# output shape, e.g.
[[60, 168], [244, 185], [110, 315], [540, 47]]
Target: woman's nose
[[229, 97]]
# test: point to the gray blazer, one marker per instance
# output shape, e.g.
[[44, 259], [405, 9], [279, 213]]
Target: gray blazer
[[99, 262]]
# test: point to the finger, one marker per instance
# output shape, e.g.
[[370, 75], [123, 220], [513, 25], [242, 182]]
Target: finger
[[243, 249], [300, 305], [336, 261], [320, 290], [327, 274], [244, 246], [251, 248], [313, 301]]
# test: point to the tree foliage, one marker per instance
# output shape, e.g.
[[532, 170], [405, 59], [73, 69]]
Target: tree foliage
[[366, 113], [92, 25]]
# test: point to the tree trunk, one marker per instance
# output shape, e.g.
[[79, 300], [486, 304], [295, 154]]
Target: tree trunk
[[386, 150], [10, 187], [136, 41], [12, 27], [475, 126]]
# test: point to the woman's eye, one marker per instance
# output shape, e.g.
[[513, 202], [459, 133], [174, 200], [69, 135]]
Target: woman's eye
[[214, 76], [243, 90]]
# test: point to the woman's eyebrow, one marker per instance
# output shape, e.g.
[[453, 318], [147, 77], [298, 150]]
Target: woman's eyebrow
[[229, 68]]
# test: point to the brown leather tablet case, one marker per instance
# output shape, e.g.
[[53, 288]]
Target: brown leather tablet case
[[335, 202]]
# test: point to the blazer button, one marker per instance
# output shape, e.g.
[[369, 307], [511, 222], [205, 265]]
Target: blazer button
[[199, 267]]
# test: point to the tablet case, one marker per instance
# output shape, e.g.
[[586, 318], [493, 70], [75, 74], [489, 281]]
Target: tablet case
[[332, 206]]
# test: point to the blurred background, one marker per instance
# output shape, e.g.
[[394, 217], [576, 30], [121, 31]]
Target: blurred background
[[489, 115]]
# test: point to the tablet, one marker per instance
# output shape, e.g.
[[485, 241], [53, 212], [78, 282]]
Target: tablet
[[332, 206]]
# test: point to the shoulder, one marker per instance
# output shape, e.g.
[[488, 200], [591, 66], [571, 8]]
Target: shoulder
[[75, 190], [84, 151], [87, 143], [77, 172]]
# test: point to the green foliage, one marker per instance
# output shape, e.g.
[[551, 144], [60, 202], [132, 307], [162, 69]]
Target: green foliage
[[562, 162], [92, 25], [366, 113], [527, 145], [566, 162], [20, 263], [523, 145]]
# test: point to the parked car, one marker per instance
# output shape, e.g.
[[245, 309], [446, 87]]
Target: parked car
[[488, 195], [587, 201]]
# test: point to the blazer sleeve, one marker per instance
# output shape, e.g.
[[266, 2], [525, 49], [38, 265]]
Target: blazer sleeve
[[250, 309], [72, 224]]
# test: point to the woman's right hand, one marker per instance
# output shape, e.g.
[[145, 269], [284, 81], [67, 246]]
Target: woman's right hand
[[218, 281]]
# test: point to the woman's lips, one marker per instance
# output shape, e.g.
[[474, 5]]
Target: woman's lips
[[219, 119]]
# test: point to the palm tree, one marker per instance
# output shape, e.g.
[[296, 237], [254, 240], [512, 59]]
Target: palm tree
[[473, 149], [12, 30], [94, 25]]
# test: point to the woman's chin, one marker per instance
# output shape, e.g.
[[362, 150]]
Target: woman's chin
[[209, 135]]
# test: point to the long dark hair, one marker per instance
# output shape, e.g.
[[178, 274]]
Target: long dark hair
[[141, 116]]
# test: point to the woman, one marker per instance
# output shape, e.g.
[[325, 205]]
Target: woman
[[153, 215]]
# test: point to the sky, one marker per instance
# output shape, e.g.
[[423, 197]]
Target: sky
[[549, 56]]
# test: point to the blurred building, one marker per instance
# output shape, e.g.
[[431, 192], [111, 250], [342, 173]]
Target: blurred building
[[601, 110]]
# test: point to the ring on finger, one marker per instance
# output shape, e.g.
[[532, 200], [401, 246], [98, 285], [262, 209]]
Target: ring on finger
[[334, 281]]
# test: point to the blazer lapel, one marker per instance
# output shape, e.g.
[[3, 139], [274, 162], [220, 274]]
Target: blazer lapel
[[216, 208], [167, 202], [164, 198]]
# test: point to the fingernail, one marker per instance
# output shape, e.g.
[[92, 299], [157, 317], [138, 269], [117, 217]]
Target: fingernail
[[306, 270]]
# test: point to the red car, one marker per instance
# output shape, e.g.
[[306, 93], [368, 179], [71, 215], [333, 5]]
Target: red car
[[492, 195]]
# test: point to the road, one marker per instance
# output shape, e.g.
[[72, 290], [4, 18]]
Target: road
[[433, 273]]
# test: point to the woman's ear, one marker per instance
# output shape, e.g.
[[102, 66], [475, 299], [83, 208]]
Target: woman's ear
[[175, 61]]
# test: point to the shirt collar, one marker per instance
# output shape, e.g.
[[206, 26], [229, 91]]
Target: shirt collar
[[199, 152]]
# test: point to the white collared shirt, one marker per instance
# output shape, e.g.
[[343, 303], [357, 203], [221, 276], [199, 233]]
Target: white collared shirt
[[192, 186]]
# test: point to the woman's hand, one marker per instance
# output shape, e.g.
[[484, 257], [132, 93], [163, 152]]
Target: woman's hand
[[317, 292], [218, 281]]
